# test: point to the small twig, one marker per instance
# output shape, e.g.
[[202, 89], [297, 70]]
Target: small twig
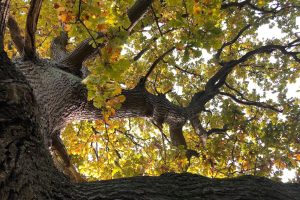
[[218, 54], [185, 71], [251, 103], [79, 10], [87, 29], [161, 131], [44, 39], [90, 34], [148, 46], [143, 81], [156, 20]]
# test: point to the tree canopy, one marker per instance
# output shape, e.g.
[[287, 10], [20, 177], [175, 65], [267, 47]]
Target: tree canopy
[[220, 90]]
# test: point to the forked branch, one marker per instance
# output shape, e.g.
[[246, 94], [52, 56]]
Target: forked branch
[[75, 59]]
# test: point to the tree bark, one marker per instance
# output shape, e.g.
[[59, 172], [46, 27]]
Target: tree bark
[[63, 98], [188, 186], [26, 167]]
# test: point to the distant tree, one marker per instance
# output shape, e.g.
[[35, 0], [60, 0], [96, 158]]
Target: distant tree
[[220, 116]]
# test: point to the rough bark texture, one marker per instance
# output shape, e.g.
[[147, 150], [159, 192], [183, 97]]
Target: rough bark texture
[[63, 98], [188, 186], [4, 10], [26, 166]]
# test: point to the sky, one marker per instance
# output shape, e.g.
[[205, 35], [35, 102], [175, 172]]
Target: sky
[[264, 32]]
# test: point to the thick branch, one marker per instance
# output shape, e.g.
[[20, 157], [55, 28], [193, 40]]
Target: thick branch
[[178, 139], [212, 86], [269, 49], [171, 186], [58, 146], [199, 129], [16, 34], [137, 11], [75, 59], [176, 134], [31, 26], [63, 98]]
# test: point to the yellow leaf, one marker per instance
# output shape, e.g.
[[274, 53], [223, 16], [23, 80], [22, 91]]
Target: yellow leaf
[[122, 98], [297, 156], [196, 8]]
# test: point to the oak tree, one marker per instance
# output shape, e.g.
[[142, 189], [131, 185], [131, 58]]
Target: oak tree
[[164, 86]]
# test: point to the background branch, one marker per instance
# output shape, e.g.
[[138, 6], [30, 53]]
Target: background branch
[[31, 26], [251, 103], [251, 6], [160, 58], [16, 35], [217, 56], [152, 40], [58, 46]]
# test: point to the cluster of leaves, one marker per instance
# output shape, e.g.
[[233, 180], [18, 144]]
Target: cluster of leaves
[[134, 147], [102, 21], [117, 149], [259, 141]]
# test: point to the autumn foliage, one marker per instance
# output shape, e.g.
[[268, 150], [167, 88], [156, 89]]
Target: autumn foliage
[[252, 124]]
